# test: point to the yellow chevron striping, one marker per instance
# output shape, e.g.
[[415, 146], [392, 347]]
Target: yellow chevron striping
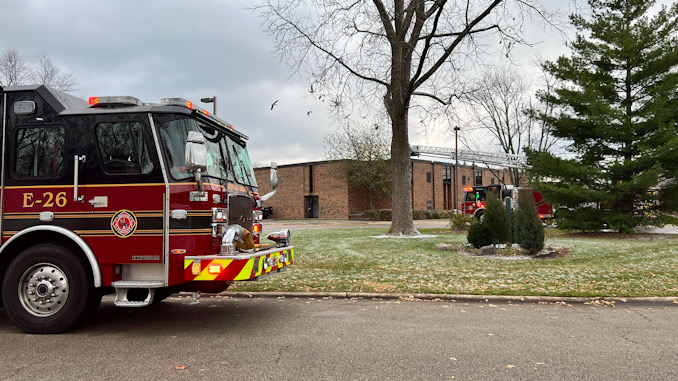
[[246, 271]]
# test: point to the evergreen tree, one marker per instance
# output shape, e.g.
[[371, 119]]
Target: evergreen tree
[[619, 109], [495, 220], [528, 231]]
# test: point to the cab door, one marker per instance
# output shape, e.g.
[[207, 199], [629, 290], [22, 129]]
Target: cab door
[[121, 186]]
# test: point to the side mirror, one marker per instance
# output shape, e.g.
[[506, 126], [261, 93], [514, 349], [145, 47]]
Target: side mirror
[[274, 175], [196, 156], [196, 152], [274, 182]]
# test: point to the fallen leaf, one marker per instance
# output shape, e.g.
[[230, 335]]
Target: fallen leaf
[[510, 366], [453, 359], [179, 367], [540, 363]]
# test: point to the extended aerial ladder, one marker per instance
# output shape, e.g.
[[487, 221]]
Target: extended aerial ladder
[[489, 158]]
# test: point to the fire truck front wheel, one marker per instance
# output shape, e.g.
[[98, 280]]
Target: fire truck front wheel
[[46, 289]]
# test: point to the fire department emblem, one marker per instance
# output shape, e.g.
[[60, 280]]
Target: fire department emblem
[[124, 223]]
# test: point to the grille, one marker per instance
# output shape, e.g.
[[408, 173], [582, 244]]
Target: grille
[[240, 209]]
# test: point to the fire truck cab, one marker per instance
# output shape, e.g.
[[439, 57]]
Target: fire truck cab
[[118, 195], [473, 200]]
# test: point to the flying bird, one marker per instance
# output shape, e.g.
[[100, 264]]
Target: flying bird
[[274, 103], [309, 113]]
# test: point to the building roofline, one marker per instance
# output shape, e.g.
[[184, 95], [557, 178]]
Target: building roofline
[[414, 160]]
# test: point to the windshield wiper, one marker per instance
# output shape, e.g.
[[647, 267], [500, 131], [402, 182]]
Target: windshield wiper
[[246, 172]]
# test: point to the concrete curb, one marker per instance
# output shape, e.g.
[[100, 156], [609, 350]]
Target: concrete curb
[[669, 301]]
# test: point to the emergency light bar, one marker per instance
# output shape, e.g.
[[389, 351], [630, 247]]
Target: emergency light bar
[[181, 102], [110, 101]]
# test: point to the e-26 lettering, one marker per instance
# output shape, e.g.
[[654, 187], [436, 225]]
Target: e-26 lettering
[[48, 200]]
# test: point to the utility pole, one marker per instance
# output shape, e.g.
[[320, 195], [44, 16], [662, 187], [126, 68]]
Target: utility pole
[[456, 165]]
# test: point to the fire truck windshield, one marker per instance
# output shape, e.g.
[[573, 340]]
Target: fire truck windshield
[[227, 157], [478, 195]]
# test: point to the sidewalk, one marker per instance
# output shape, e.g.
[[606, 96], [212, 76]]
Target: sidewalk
[[314, 223], [444, 224]]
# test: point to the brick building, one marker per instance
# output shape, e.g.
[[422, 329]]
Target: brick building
[[319, 190]]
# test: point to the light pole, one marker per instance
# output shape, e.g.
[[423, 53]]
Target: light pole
[[456, 164], [211, 100]]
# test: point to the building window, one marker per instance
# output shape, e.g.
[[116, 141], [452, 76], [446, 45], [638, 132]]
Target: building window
[[310, 179], [447, 174], [429, 205], [463, 180], [492, 182], [479, 176], [428, 177]]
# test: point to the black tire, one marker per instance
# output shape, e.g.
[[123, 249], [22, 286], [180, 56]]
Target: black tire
[[479, 215], [47, 289]]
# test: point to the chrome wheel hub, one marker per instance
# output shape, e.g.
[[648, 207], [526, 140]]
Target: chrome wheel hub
[[43, 289]]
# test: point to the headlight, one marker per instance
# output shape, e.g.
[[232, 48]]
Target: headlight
[[220, 215]]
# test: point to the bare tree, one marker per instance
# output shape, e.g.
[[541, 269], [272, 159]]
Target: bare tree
[[541, 112], [498, 107], [395, 51], [13, 69], [45, 72], [365, 152]]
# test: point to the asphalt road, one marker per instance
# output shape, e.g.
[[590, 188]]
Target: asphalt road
[[297, 338]]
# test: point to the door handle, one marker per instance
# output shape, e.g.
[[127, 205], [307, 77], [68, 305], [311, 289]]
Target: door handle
[[76, 175]]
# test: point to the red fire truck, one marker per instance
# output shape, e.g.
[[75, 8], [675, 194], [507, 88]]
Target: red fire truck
[[473, 200], [118, 195]]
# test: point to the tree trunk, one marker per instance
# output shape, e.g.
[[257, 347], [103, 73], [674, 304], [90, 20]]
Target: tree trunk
[[401, 216], [369, 198], [397, 102]]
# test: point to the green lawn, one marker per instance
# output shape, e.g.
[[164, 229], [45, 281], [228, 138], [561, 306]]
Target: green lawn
[[352, 260]]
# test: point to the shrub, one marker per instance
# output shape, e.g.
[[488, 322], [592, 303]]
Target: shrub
[[378, 214], [528, 231], [385, 214], [460, 221], [495, 220], [478, 235]]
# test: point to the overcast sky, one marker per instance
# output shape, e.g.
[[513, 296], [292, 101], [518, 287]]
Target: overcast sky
[[187, 49]]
